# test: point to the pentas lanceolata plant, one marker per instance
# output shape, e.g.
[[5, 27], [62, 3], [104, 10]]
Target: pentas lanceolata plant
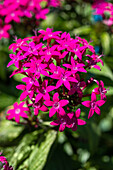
[[55, 66], [4, 163], [103, 10], [17, 10]]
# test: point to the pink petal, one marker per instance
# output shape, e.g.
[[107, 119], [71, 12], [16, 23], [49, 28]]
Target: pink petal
[[62, 127], [52, 112], [59, 83], [61, 111], [67, 85], [15, 105], [10, 63], [101, 82], [96, 90], [36, 111], [63, 102], [44, 108], [97, 110], [86, 103], [91, 112], [56, 97], [23, 95], [78, 111], [70, 115], [93, 97], [49, 103], [50, 88], [100, 102], [81, 122], [21, 87], [17, 118], [72, 79], [97, 67], [38, 97], [55, 123], [24, 115], [46, 96]]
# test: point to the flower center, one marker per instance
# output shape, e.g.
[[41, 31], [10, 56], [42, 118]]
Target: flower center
[[1, 31], [48, 53], [93, 105], [63, 121], [31, 81], [56, 105], [74, 68], [64, 78], [12, 14], [17, 111]]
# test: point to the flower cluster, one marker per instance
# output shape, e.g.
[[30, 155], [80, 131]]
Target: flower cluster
[[103, 10], [18, 10], [5, 163], [55, 68]]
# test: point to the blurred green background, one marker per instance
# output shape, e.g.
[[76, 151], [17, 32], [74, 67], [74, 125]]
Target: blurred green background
[[91, 146]]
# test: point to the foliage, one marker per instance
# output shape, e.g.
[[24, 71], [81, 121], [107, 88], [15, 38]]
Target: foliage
[[91, 146]]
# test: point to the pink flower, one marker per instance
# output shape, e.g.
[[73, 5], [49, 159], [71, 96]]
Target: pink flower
[[102, 7], [30, 81], [36, 67], [56, 105], [75, 66], [54, 66], [64, 77], [5, 163], [48, 34], [69, 120], [3, 159], [43, 91], [100, 89], [19, 43], [93, 105], [31, 48], [26, 92], [16, 59], [39, 106], [48, 53], [17, 111], [3, 31]]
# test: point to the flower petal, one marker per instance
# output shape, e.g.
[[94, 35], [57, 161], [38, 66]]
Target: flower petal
[[63, 102], [52, 112], [81, 122], [86, 103], [91, 112], [97, 110], [77, 113]]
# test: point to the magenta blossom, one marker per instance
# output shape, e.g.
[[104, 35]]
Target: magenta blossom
[[5, 163], [18, 11], [17, 111], [56, 105], [43, 91], [70, 120], [100, 89], [93, 105], [3, 159], [55, 67], [64, 77]]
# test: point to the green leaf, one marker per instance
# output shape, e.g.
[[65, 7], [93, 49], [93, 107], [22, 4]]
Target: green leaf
[[105, 71], [82, 30], [24, 149], [6, 100], [39, 155], [105, 41], [8, 132]]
